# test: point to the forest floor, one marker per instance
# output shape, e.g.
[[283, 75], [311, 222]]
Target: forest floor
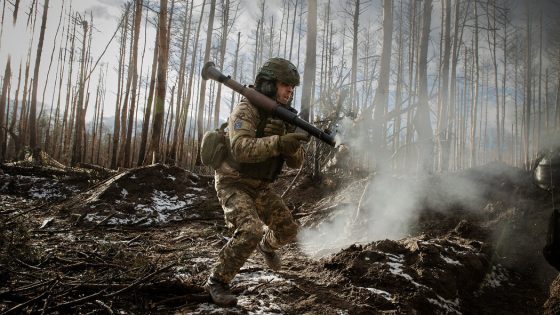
[[144, 240]]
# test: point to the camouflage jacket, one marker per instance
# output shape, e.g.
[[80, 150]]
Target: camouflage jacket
[[247, 148]]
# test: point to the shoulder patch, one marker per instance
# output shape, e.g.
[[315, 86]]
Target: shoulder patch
[[237, 125]]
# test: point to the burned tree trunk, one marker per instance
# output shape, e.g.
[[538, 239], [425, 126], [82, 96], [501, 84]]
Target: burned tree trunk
[[528, 91], [187, 100], [422, 119], [186, 25], [148, 110], [382, 93], [202, 96], [310, 61], [163, 55], [223, 43], [33, 107], [3, 99], [443, 122], [117, 122], [133, 64], [77, 156]]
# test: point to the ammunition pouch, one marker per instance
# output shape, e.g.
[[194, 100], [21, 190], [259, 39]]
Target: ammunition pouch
[[214, 148]]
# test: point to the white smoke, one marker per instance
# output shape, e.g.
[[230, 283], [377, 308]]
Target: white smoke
[[389, 205]]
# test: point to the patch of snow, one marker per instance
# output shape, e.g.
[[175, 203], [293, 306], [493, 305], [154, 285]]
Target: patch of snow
[[133, 176], [451, 261], [161, 201], [450, 307], [258, 277], [124, 193], [112, 221], [199, 189], [201, 260], [265, 304], [395, 267], [468, 248], [171, 177], [46, 190], [46, 222]]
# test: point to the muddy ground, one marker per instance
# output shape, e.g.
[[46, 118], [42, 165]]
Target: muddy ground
[[143, 241]]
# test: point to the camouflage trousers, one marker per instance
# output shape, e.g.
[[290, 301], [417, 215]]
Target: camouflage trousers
[[247, 210]]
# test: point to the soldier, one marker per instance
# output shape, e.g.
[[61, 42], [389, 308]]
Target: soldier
[[260, 145]]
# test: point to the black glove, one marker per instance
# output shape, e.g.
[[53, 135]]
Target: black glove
[[289, 144], [274, 127]]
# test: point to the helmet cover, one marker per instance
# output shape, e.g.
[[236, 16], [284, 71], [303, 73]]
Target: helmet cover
[[278, 69]]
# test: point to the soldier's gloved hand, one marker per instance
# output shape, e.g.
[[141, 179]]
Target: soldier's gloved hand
[[289, 144], [274, 127]]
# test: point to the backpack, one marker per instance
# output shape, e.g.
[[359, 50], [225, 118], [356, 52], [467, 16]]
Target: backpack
[[214, 148]]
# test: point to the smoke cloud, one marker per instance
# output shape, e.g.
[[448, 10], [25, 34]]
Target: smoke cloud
[[389, 207], [390, 204]]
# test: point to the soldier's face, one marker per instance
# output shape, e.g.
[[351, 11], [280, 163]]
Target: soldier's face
[[284, 92]]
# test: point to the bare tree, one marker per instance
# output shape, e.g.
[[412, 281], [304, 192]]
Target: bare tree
[[443, 123], [458, 29], [142, 158], [134, 72], [51, 59], [226, 28], [422, 119], [310, 60], [474, 108], [202, 96], [16, 9], [3, 99], [120, 70], [399, 87], [528, 91], [163, 57], [66, 129], [77, 154], [187, 100], [12, 125], [382, 93], [354, 73], [186, 26], [33, 143]]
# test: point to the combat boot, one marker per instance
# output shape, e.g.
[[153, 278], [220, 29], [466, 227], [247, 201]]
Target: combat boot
[[220, 293], [271, 257]]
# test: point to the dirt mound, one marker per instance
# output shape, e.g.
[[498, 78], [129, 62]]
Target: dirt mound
[[51, 187], [150, 195], [419, 274]]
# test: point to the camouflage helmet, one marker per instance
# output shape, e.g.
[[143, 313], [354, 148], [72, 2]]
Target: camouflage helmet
[[278, 69]]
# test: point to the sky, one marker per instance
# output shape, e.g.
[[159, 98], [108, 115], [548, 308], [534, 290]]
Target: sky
[[15, 40], [106, 17]]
